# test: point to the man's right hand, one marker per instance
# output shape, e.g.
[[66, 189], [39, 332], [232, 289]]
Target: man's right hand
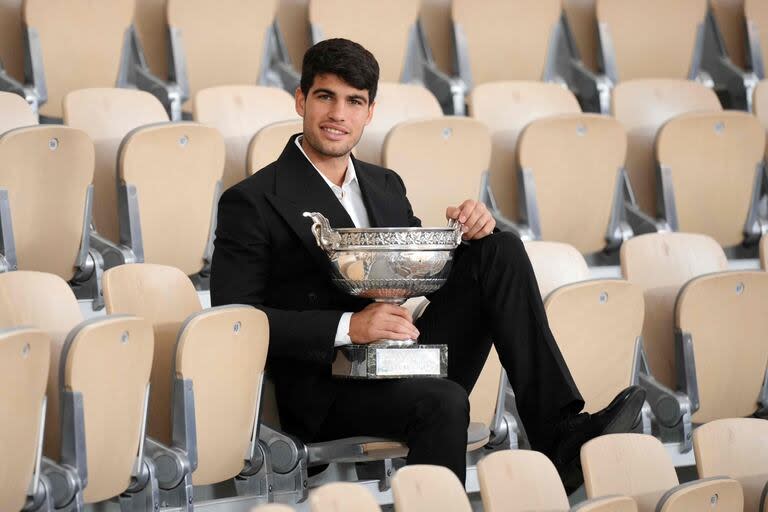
[[379, 321]]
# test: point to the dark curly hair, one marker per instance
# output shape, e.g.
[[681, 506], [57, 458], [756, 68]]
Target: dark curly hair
[[344, 58]]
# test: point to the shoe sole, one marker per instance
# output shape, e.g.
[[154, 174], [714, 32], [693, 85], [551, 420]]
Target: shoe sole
[[627, 416]]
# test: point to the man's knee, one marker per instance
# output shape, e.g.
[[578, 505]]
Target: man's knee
[[444, 401], [504, 246]]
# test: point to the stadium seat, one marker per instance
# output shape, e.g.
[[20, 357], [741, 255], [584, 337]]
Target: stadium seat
[[572, 180], [389, 32], [721, 320], [597, 324], [425, 488], [711, 176], [437, 30], [728, 16], [524, 480], [155, 163], [556, 264], [107, 116], [98, 385], [151, 23], [582, 22], [206, 380], [268, 143], [638, 466], [736, 448], [25, 355], [395, 103], [293, 20], [238, 112], [756, 14], [11, 40], [506, 108], [342, 497], [14, 112], [643, 106], [764, 252], [45, 188]]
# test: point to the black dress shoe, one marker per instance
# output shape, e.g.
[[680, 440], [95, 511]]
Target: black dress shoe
[[618, 417]]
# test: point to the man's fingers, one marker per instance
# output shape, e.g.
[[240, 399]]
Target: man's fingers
[[399, 311], [466, 208], [452, 212]]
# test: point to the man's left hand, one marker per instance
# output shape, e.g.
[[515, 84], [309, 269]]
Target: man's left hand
[[477, 222]]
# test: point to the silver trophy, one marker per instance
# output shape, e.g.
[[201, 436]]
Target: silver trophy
[[388, 265]]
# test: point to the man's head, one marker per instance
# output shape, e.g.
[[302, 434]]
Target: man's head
[[338, 85]]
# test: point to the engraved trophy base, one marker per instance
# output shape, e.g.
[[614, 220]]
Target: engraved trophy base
[[378, 361]]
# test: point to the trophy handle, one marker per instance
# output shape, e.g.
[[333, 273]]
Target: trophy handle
[[457, 233], [325, 236]]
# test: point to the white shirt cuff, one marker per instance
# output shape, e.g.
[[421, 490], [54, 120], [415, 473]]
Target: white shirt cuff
[[342, 331]]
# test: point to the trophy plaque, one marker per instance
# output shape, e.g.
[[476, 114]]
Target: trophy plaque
[[388, 265]]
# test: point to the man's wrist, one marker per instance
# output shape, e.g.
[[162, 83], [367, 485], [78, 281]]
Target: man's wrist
[[342, 331]]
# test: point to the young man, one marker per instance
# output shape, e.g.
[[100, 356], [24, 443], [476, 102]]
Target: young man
[[265, 255]]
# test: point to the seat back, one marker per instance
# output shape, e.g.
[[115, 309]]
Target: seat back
[[226, 377], [25, 355], [342, 497], [223, 42], [520, 480], [574, 160], [506, 108], [435, 19], [708, 494], [151, 25], [426, 488], [386, 33], [596, 325], [738, 448], [712, 158], [11, 38], [712, 309], [47, 302], [556, 264], [634, 465], [661, 263], [14, 112], [47, 171], [756, 14], [164, 297], [238, 112], [651, 39], [582, 20], [643, 106], [441, 162], [504, 39], [293, 20], [395, 103], [176, 170], [107, 361], [107, 116], [92, 58], [268, 143], [729, 16]]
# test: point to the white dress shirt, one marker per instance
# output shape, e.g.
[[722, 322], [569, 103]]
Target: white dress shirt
[[351, 198]]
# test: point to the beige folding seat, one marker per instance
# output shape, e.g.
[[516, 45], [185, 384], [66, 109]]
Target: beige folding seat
[[268, 143], [425, 488], [582, 20], [11, 39], [435, 20], [206, 379], [342, 497], [572, 180], [238, 112], [643, 106], [98, 386], [506, 108], [738, 448], [756, 14], [107, 115], [293, 20], [524, 480], [720, 321], [456, 151], [395, 103], [14, 112], [638, 466], [711, 175], [151, 23], [389, 32], [556, 264], [25, 355], [729, 16], [764, 252], [62, 62], [170, 182]]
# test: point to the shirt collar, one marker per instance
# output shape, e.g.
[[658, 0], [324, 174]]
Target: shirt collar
[[349, 177]]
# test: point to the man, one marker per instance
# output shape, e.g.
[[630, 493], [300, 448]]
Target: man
[[265, 255]]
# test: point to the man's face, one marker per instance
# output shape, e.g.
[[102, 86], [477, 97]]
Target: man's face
[[335, 114]]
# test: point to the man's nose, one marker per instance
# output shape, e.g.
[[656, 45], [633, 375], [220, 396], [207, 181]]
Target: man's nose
[[337, 111]]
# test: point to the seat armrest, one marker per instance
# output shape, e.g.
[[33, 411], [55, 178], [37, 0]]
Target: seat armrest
[[170, 94], [593, 89], [450, 92], [719, 493], [607, 504]]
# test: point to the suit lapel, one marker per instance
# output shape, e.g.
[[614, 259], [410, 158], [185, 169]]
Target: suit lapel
[[384, 210]]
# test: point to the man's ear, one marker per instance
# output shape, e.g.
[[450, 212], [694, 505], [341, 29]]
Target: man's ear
[[300, 101], [370, 113]]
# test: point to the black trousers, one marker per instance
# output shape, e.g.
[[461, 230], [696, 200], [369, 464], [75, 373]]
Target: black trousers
[[491, 296]]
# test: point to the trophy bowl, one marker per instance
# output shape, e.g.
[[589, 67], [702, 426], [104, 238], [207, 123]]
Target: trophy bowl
[[388, 265]]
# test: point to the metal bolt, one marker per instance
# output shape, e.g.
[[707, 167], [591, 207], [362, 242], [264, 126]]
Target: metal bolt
[[447, 132], [714, 499], [236, 327], [53, 144], [183, 141], [603, 297], [581, 130], [719, 127], [124, 337], [25, 350], [739, 288]]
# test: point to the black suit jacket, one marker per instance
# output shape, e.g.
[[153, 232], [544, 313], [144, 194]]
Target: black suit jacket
[[265, 255]]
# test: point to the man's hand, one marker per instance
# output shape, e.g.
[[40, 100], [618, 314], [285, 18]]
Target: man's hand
[[380, 321], [477, 222]]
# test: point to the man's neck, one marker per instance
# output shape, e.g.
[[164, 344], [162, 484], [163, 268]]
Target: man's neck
[[333, 167]]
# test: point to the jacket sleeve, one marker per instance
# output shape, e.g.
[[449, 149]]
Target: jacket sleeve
[[240, 275]]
